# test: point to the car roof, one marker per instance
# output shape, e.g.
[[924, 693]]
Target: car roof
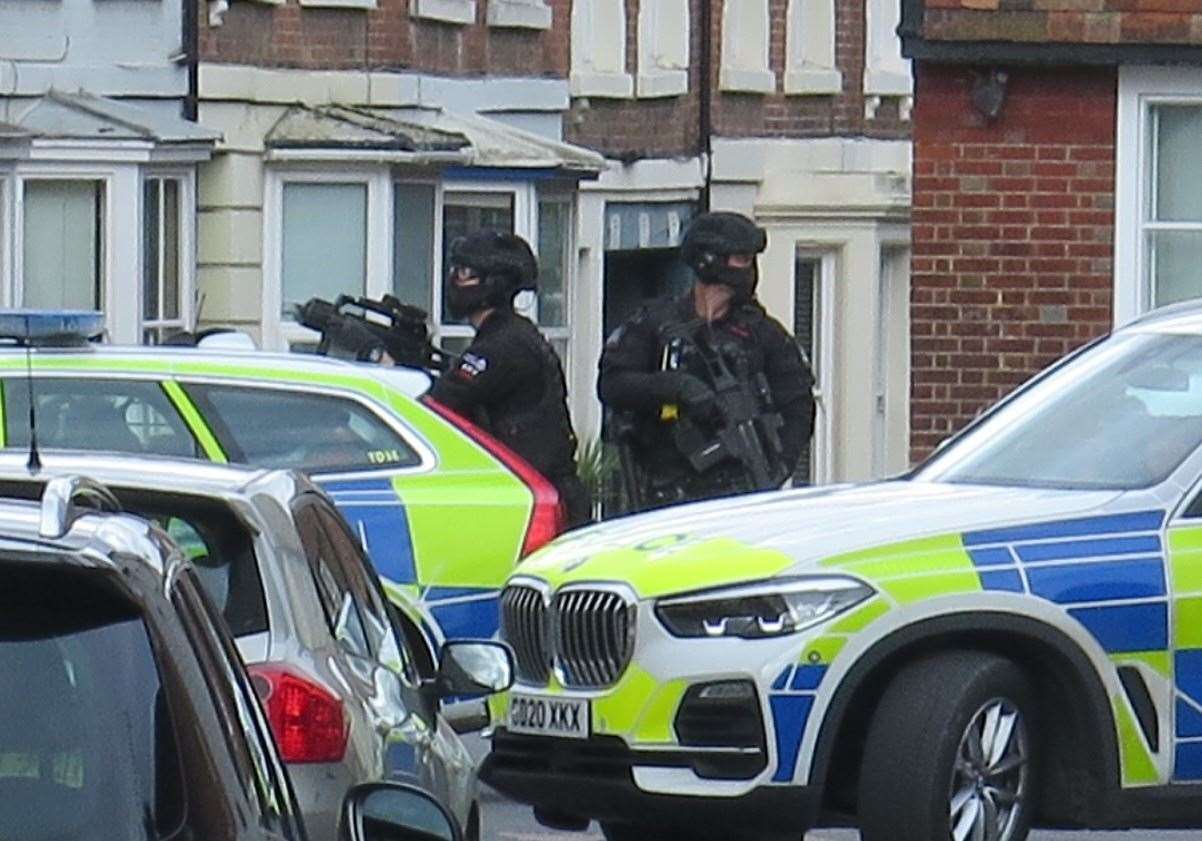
[[411, 381], [151, 472], [1183, 317], [95, 540]]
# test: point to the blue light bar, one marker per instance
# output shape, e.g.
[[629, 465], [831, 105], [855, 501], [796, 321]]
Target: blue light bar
[[43, 328]]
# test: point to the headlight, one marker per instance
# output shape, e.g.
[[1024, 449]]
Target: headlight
[[770, 608]]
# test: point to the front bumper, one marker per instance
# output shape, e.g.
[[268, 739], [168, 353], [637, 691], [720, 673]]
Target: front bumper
[[594, 779]]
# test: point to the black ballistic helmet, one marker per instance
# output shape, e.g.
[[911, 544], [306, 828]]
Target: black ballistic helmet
[[505, 263], [718, 234]]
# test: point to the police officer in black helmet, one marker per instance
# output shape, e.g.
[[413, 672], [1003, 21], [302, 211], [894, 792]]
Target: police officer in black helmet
[[659, 368], [509, 380]]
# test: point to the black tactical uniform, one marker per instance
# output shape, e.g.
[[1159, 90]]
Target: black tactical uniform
[[658, 373], [509, 380]]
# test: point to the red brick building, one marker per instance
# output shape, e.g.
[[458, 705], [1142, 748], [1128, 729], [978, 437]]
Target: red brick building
[[1055, 157]]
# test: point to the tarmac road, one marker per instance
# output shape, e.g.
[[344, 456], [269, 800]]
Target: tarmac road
[[508, 821]]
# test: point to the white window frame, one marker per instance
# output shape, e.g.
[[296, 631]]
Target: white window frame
[[735, 74], [523, 14], [1140, 89], [122, 242], [279, 332], [599, 67], [448, 11], [7, 215], [187, 246], [886, 72], [663, 65], [824, 363], [525, 225], [810, 66]]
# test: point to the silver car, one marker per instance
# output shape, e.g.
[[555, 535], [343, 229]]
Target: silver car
[[338, 684]]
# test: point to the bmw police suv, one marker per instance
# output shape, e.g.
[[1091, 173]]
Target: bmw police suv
[[1009, 636]]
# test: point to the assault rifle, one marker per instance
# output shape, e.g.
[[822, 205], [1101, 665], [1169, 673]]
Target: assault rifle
[[347, 331], [746, 428], [739, 445]]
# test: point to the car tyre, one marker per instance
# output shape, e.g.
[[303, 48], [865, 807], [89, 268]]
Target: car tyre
[[951, 752]]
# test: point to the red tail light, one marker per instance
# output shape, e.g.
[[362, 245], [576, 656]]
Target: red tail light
[[306, 720], [547, 515]]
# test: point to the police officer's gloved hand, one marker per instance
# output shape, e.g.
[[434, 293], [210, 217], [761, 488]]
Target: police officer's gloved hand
[[695, 397]]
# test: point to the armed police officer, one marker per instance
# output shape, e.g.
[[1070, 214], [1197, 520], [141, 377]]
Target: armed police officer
[[509, 380], [709, 395]]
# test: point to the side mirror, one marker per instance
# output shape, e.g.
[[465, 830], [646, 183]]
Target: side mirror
[[390, 811], [470, 667]]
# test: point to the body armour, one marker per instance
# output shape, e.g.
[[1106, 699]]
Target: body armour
[[510, 382]]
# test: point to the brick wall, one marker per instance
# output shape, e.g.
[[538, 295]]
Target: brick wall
[[1012, 235], [386, 37], [665, 127], [1064, 21]]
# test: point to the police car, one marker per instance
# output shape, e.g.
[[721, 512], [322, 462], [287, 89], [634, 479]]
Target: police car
[[444, 510], [1009, 636]]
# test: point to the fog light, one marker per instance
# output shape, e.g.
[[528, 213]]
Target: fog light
[[734, 690]]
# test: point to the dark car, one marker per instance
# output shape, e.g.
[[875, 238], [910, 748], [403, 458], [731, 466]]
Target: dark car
[[124, 706]]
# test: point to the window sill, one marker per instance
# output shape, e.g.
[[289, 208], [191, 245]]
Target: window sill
[[603, 85], [447, 11], [815, 81], [661, 83], [746, 81], [519, 14], [887, 83]]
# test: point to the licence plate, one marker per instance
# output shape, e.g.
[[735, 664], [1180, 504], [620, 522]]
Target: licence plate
[[544, 716]]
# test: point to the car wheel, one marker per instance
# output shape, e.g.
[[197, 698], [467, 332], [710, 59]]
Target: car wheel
[[950, 753]]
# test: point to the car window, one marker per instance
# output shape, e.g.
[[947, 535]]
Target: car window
[[125, 416], [246, 733], [220, 547], [267, 427], [363, 582], [1124, 415], [343, 612], [86, 737]]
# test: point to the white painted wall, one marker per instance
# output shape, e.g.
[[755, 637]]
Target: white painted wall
[[128, 48]]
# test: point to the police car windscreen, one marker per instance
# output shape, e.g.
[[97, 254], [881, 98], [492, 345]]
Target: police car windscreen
[[1123, 415]]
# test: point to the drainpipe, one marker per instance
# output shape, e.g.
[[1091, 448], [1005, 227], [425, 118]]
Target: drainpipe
[[191, 39], [705, 140]]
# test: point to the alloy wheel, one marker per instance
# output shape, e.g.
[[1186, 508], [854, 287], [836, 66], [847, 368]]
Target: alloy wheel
[[989, 779]]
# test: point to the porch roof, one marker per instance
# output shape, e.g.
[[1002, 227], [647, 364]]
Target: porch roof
[[82, 116], [425, 136]]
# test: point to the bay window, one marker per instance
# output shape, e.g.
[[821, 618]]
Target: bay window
[[63, 241], [163, 266]]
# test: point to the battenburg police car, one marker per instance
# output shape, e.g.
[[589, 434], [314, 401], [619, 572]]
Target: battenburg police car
[[1009, 636], [444, 510]]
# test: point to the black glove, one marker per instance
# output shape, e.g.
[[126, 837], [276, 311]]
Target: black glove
[[695, 397]]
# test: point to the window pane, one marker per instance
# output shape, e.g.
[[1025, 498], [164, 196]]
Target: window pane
[[86, 739], [63, 253], [124, 416], [260, 427], [151, 191], [413, 270], [1174, 257], [463, 213], [554, 234], [325, 242], [1178, 163], [170, 236]]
